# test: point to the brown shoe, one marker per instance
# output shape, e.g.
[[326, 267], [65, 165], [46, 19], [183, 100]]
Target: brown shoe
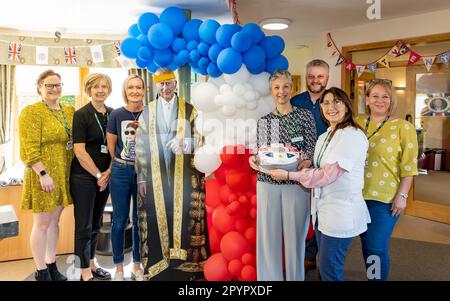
[[310, 265]]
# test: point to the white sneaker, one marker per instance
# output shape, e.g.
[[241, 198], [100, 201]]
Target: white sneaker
[[137, 275], [118, 276]]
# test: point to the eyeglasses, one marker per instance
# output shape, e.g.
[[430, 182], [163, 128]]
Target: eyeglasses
[[336, 103], [129, 133], [51, 86], [379, 81]]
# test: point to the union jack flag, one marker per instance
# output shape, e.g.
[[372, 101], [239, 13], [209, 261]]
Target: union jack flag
[[14, 51], [117, 46], [70, 56]]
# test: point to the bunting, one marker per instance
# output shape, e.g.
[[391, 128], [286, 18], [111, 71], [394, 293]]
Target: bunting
[[384, 61], [97, 54], [372, 67], [41, 55], [360, 69], [14, 51], [349, 66], [428, 61], [340, 60], [70, 55], [444, 58], [117, 46], [413, 57]]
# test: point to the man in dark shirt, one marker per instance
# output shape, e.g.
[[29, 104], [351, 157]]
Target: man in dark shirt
[[317, 74]]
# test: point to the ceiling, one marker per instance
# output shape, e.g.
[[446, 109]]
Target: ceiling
[[113, 17]]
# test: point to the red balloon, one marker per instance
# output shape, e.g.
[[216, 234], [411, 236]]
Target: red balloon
[[238, 181], [253, 200], [229, 156], [224, 193], [216, 268], [214, 240], [222, 221], [243, 200], [250, 235], [253, 213], [233, 245], [310, 233], [242, 225], [212, 193], [234, 208], [221, 173], [249, 259], [235, 267], [248, 273], [232, 198]]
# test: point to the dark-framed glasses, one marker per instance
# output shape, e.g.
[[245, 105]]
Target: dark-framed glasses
[[52, 86]]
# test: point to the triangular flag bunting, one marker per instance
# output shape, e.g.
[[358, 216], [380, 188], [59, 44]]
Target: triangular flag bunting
[[394, 51], [413, 57], [41, 55], [428, 61], [340, 60], [97, 54], [372, 67], [349, 66], [329, 41], [444, 58], [117, 46], [124, 62], [384, 61], [360, 69], [403, 49], [14, 51], [70, 55]]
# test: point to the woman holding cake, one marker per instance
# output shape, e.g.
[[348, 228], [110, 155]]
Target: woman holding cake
[[283, 206], [338, 208]]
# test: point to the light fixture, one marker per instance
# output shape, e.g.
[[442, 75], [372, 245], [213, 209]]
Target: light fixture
[[275, 23]]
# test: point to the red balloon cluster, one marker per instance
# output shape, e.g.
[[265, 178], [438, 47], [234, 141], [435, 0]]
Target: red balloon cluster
[[231, 209]]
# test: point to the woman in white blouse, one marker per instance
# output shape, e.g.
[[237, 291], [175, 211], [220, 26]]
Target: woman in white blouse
[[338, 208]]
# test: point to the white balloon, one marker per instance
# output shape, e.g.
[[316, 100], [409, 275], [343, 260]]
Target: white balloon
[[207, 159], [228, 110], [219, 100], [239, 89], [260, 82], [224, 88], [229, 98], [250, 96], [203, 97], [217, 81], [241, 76], [252, 105]]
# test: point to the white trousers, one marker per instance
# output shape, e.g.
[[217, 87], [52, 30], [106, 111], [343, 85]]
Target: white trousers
[[283, 216]]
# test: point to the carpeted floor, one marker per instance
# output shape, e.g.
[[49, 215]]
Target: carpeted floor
[[410, 261]]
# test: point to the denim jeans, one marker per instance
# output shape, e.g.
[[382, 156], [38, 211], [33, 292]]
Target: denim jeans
[[332, 253], [123, 186], [376, 240]]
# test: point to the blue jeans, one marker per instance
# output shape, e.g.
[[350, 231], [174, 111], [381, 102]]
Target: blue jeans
[[376, 240], [123, 186], [332, 253]]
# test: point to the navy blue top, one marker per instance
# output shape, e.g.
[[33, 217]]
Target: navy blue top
[[303, 101]]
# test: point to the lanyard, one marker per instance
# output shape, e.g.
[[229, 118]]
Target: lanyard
[[325, 143], [101, 128], [292, 131], [65, 124], [378, 129]]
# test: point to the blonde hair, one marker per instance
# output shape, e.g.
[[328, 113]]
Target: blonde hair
[[125, 85], [387, 85], [43, 76], [93, 79]]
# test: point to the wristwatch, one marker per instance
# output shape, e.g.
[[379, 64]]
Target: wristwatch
[[98, 175], [42, 173], [403, 195]]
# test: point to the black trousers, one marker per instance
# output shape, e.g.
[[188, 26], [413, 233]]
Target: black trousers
[[89, 204]]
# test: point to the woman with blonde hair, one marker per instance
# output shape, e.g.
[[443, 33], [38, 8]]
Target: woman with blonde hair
[[45, 133]]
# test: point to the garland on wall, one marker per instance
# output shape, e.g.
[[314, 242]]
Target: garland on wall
[[398, 49], [62, 52]]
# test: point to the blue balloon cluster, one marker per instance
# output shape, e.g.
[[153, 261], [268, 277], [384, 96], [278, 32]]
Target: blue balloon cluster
[[208, 47]]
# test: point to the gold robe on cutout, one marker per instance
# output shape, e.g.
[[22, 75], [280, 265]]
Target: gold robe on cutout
[[172, 215]]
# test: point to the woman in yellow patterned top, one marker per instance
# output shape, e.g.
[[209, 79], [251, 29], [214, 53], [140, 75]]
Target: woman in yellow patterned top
[[390, 166], [45, 130]]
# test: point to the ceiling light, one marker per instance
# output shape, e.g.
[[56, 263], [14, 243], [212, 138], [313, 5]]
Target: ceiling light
[[275, 24]]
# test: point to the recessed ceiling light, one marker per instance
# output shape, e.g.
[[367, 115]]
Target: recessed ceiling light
[[275, 23]]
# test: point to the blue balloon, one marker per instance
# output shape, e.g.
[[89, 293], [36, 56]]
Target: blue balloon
[[146, 20], [194, 55], [151, 66], [134, 31], [200, 71], [160, 36], [225, 33], [272, 45], [279, 62], [203, 62], [144, 54], [178, 44], [190, 30], [203, 48], [191, 45], [254, 31], [241, 41], [182, 57], [140, 63], [257, 70], [207, 31], [143, 39], [173, 17], [173, 66], [254, 57], [229, 61], [213, 70], [193, 64], [214, 51], [130, 47], [163, 58]]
